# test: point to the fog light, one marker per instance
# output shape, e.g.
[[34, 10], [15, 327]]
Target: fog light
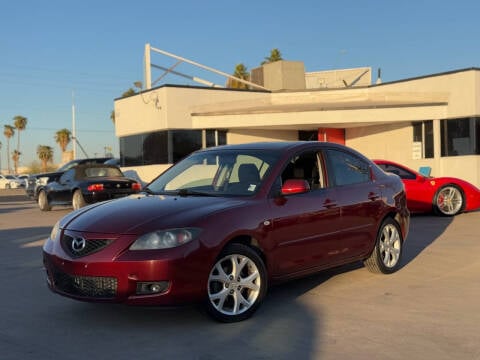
[[151, 287]]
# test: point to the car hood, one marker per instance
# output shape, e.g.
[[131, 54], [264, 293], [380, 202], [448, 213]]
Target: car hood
[[140, 213]]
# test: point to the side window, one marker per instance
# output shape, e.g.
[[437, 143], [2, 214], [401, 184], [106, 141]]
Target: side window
[[306, 166], [67, 176], [346, 169], [404, 174]]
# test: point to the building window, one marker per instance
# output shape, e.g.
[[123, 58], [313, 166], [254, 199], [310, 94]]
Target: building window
[[215, 137], [423, 139], [165, 147], [460, 136]]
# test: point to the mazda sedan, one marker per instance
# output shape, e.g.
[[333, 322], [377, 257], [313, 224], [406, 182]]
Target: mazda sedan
[[222, 224]]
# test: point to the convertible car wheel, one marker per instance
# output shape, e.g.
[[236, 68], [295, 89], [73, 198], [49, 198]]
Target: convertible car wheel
[[43, 201], [237, 284], [385, 257], [77, 200], [448, 201]]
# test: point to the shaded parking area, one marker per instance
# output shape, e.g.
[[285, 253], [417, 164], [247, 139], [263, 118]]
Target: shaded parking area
[[427, 310]]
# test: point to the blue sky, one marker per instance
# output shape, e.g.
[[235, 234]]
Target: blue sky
[[49, 49]]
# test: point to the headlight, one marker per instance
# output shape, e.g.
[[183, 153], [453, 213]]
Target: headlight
[[165, 239], [55, 231], [43, 180]]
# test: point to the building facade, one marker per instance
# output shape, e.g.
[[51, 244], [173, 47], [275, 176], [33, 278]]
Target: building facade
[[431, 120]]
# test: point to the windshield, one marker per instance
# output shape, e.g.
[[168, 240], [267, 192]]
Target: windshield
[[216, 173]]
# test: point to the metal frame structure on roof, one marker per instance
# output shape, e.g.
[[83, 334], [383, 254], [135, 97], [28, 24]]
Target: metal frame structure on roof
[[170, 70]]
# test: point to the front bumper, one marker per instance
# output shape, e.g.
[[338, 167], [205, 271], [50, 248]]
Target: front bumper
[[179, 275]]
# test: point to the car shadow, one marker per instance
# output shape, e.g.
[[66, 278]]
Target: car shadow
[[279, 330], [424, 230]]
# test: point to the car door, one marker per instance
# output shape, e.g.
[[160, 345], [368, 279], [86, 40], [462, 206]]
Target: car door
[[60, 191], [359, 199], [306, 226]]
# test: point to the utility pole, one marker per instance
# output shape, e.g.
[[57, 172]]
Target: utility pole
[[74, 135]]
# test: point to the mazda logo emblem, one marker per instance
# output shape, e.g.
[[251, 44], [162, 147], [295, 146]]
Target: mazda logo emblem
[[78, 244]]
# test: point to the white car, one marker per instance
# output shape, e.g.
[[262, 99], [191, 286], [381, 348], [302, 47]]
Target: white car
[[9, 182]]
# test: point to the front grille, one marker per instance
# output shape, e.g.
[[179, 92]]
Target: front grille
[[97, 287], [77, 247]]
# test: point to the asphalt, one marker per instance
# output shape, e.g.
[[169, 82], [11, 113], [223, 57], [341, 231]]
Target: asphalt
[[429, 309]]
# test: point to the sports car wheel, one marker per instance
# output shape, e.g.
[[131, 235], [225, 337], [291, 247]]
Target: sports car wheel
[[77, 200], [448, 200], [237, 284], [43, 203], [385, 257]]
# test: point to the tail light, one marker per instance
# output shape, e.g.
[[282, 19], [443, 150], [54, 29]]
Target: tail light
[[95, 187], [136, 186]]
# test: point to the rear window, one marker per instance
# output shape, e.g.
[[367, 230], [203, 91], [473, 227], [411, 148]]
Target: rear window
[[102, 172]]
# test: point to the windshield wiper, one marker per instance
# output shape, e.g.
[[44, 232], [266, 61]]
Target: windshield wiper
[[148, 191], [189, 192]]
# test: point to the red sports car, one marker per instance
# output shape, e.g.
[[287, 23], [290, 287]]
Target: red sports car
[[443, 195], [223, 223]]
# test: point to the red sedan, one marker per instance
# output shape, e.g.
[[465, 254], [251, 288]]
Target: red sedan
[[223, 223], [443, 195]]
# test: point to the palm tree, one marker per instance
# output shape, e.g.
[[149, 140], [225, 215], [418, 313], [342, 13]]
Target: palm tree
[[275, 55], [63, 137], [8, 131], [45, 154], [240, 72], [16, 157], [20, 123]]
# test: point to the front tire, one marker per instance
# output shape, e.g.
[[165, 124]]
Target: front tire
[[43, 203], [237, 284], [448, 201], [77, 200], [386, 255]]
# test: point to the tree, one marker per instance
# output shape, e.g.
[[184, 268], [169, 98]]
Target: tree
[[240, 72], [45, 154], [129, 92], [8, 131], [62, 138], [20, 123], [275, 55], [112, 116], [16, 157]]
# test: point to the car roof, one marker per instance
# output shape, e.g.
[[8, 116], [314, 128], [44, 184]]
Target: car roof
[[274, 145]]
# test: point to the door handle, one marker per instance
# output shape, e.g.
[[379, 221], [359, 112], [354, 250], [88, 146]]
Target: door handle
[[373, 196]]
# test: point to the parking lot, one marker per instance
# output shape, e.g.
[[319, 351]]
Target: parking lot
[[429, 309]]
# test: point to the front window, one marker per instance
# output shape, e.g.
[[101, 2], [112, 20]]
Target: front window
[[423, 139], [216, 173], [460, 136], [166, 147]]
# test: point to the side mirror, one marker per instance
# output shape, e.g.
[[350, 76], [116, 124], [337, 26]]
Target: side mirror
[[295, 186]]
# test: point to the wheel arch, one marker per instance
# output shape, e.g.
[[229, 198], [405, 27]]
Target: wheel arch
[[249, 241]]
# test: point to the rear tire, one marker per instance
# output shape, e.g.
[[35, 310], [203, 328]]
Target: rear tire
[[237, 284], [43, 203], [387, 253], [448, 201], [77, 200]]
